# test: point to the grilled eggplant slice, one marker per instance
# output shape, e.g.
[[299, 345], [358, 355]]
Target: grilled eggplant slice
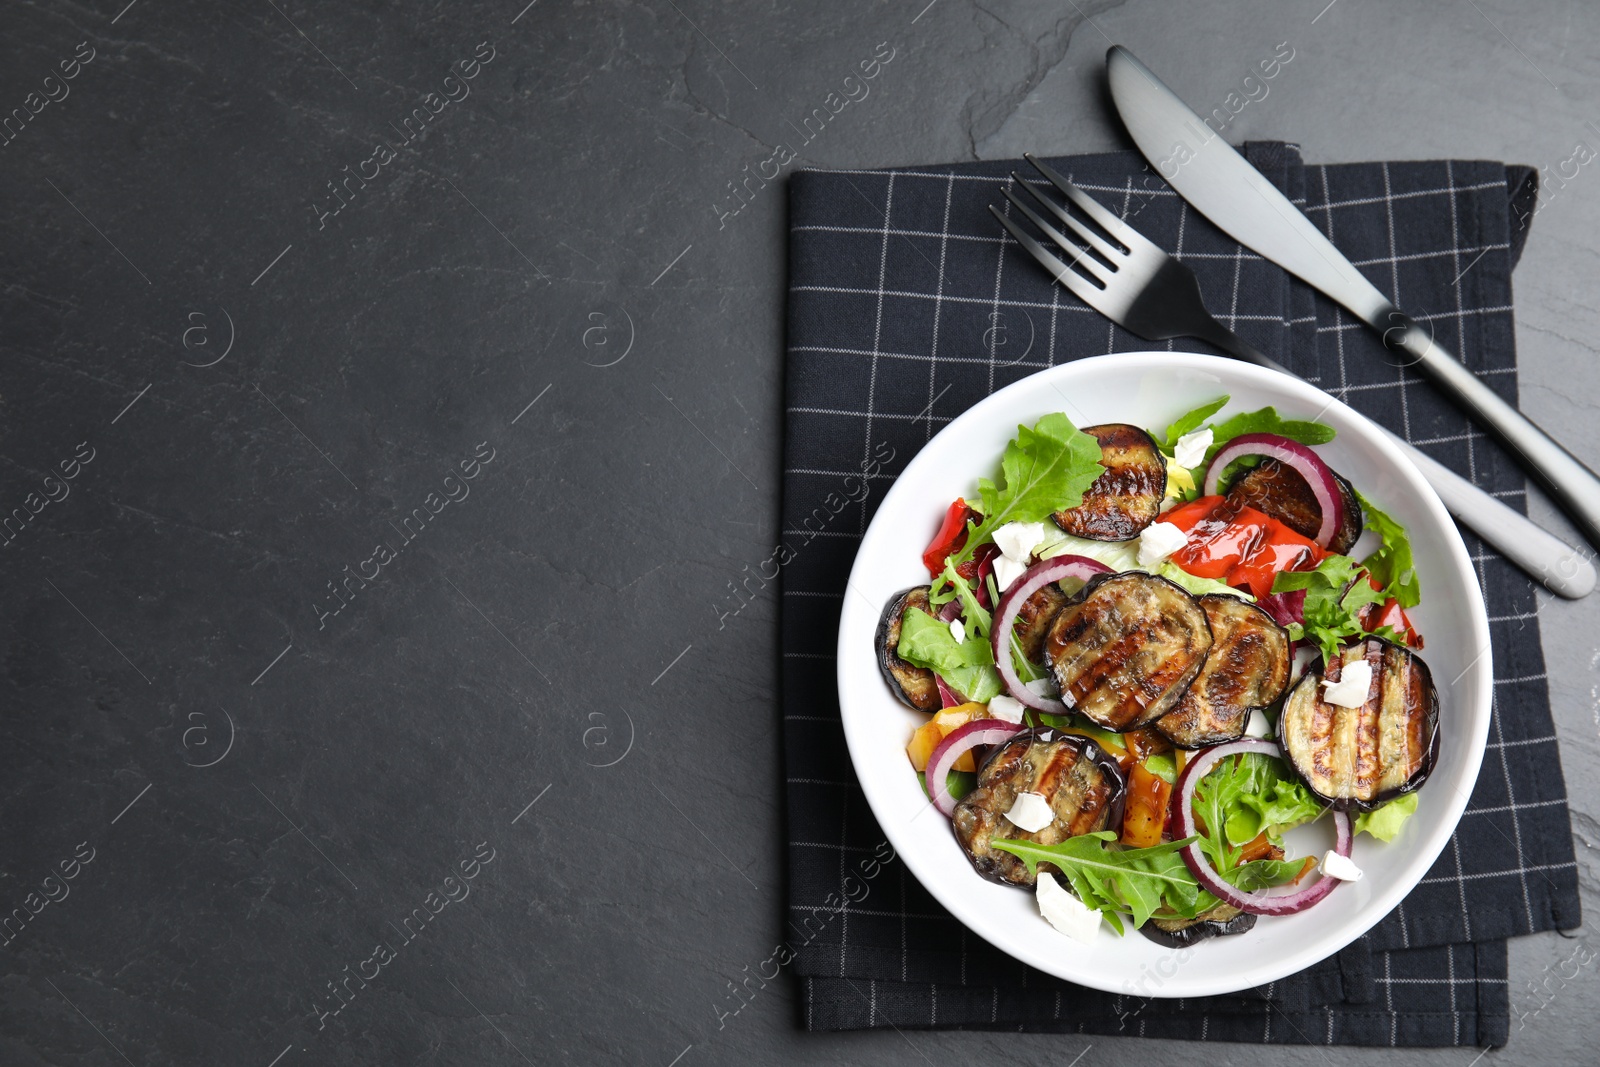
[[1034, 619], [1126, 647], [1279, 491], [1359, 758], [1220, 921], [915, 687], [1127, 497], [1247, 667], [1083, 784]]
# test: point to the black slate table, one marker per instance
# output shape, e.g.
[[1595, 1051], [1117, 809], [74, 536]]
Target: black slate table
[[390, 409]]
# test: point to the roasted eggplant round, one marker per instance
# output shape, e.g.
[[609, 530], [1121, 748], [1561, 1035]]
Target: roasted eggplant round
[[1034, 619], [1083, 784], [915, 687], [1278, 490], [1359, 758], [1247, 668], [1126, 647], [1220, 921], [1127, 497]]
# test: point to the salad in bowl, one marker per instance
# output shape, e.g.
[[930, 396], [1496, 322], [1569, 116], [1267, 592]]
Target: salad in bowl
[[1143, 655]]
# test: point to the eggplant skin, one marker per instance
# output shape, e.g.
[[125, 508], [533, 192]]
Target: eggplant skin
[[1034, 619], [913, 686], [1083, 784], [1220, 921], [1359, 758], [1127, 497], [1247, 668], [1280, 491], [1125, 649]]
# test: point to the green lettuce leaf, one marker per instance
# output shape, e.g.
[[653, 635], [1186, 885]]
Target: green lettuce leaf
[[1385, 822], [967, 666], [1267, 420], [1391, 563], [1137, 880], [1044, 469], [1241, 799], [1335, 594]]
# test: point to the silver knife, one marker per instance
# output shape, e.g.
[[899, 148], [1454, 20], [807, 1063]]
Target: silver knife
[[1220, 184]]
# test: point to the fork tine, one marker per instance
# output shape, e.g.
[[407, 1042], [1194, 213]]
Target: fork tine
[[1079, 285], [1095, 241], [1079, 257], [1124, 233]]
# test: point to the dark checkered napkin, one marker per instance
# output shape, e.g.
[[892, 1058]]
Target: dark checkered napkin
[[906, 307]]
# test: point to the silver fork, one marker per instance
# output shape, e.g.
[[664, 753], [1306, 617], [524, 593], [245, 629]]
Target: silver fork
[[1138, 286]]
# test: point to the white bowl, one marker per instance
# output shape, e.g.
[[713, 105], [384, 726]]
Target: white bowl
[[1150, 389]]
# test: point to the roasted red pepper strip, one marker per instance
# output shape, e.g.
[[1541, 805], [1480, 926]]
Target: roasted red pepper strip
[[952, 536], [1242, 546]]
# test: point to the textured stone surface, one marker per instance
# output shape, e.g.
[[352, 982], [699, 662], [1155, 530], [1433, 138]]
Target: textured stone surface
[[553, 239]]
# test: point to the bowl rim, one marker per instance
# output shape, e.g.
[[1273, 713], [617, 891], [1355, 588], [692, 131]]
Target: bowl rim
[[1476, 717]]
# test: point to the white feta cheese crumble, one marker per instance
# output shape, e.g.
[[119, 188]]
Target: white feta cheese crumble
[[1258, 726], [1340, 867], [1042, 687], [958, 630], [1160, 540], [1031, 812], [1191, 448], [1006, 709], [1350, 691], [1006, 571], [1017, 540], [1066, 912]]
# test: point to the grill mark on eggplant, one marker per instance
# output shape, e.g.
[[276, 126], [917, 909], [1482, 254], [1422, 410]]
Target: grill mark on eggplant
[[1125, 648], [913, 686], [1085, 788], [1247, 668], [1359, 758], [1127, 497], [1281, 492]]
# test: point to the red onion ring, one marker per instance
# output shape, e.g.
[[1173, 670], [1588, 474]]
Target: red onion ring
[[964, 738], [1183, 825], [1298, 458], [1032, 580]]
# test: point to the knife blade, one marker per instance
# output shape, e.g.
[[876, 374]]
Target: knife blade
[[1238, 199]]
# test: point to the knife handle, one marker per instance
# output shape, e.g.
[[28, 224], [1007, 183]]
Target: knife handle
[[1574, 486], [1552, 562]]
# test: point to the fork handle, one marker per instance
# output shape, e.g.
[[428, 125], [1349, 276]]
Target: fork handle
[[1552, 562]]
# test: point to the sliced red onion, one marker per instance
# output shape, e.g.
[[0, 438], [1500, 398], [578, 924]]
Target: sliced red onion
[[1033, 579], [1297, 457], [963, 739], [1264, 902], [950, 611]]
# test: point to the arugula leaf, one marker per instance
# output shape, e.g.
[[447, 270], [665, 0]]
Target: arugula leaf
[[1385, 822], [977, 619], [1335, 594], [1138, 880], [1193, 420], [1045, 469], [1391, 563]]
